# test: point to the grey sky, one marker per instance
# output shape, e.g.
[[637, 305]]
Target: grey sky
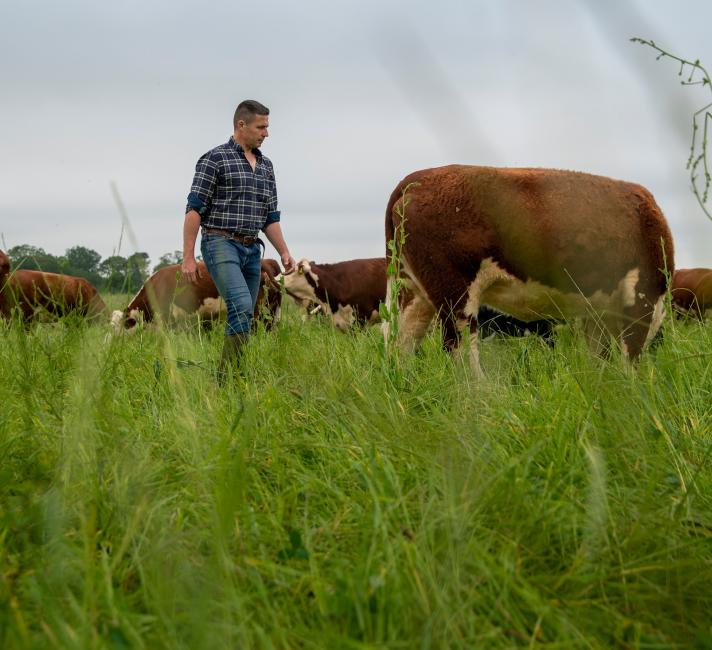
[[361, 94]]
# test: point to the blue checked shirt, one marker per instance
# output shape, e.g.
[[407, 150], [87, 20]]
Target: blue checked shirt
[[227, 194]]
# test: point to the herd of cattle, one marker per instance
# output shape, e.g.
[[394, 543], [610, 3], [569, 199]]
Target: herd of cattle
[[474, 248]]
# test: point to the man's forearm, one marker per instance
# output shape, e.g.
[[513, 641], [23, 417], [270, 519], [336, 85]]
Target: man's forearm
[[190, 234], [274, 234]]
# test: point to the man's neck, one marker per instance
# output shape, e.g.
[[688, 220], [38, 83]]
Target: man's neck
[[245, 148]]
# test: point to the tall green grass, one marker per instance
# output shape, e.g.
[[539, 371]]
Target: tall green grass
[[326, 498]]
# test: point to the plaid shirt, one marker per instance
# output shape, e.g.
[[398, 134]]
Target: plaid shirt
[[227, 194]]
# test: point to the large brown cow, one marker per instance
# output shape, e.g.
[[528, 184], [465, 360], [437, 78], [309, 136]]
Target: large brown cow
[[348, 292], [31, 293], [692, 291], [532, 243], [167, 296]]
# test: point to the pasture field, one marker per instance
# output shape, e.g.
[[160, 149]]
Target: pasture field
[[332, 498]]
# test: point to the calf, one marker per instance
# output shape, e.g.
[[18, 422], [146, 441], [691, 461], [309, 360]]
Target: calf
[[167, 296], [532, 243], [30, 293], [349, 292], [692, 291]]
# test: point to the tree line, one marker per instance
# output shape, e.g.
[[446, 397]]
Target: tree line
[[113, 274]]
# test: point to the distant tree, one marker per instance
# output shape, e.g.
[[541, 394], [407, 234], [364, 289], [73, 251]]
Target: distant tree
[[112, 270], [25, 256], [136, 270], [83, 262], [176, 257], [83, 259]]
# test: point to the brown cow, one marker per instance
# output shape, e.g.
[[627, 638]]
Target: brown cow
[[4, 267], [533, 243], [30, 293], [165, 295], [348, 292], [692, 291]]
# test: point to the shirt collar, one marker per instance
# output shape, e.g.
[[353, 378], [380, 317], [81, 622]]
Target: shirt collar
[[236, 145]]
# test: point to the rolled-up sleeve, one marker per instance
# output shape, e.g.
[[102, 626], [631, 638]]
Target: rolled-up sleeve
[[272, 217], [202, 190]]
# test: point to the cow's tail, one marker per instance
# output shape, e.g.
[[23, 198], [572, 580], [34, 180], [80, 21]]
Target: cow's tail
[[657, 234]]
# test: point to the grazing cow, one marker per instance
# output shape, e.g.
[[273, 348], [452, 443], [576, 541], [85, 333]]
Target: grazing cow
[[349, 292], [269, 296], [167, 296], [30, 293], [692, 291], [532, 243], [4, 267]]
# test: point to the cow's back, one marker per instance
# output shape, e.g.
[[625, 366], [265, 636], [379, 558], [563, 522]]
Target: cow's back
[[58, 294], [567, 230], [692, 290]]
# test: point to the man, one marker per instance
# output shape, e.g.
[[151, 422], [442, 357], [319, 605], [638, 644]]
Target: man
[[233, 197]]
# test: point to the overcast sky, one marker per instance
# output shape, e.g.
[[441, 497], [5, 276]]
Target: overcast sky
[[361, 93]]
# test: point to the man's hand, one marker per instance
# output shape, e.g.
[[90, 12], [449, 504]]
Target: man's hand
[[288, 263], [190, 271]]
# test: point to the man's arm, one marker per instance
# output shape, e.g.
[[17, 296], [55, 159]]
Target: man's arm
[[191, 225], [201, 194], [274, 233]]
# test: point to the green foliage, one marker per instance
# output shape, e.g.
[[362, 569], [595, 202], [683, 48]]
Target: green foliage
[[693, 73], [34, 258], [167, 259], [389, 311], [113, 274], [124, 273], [314, 502]]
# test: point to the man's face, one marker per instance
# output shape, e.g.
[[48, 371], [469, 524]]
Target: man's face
[[254, 132]]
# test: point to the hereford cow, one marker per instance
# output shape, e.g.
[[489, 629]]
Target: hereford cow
[[4, 267], [348, 292], [167, 296], [532, 243], [692, 291], [31, 293]]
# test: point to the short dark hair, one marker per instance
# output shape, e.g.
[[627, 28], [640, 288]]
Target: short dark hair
[[247, 110]]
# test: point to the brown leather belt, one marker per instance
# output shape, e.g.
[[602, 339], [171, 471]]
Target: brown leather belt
[[246, 240]]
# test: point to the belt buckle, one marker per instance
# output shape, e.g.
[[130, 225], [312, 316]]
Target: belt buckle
[[248, 240]]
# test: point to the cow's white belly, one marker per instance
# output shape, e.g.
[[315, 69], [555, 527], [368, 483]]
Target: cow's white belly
[[531, 300], [208, 308]]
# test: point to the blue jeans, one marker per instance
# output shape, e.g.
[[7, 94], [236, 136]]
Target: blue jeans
[[235, 269]]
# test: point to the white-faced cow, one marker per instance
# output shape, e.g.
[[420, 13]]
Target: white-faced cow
[[33, 293], [348, 292], [532, 243], [692, 291], [168, 297]]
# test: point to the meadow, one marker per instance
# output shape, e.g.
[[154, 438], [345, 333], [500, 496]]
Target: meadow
[[331, 497]]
